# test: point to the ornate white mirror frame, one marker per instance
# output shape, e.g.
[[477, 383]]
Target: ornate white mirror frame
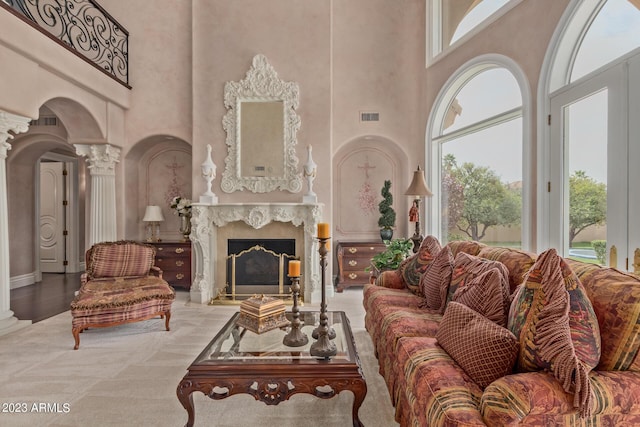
[[261, 85]]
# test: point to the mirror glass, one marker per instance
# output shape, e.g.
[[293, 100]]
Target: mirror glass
[[261, 125], [262, 136]]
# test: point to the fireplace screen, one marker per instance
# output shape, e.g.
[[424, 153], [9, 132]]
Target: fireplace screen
[[258, 267]]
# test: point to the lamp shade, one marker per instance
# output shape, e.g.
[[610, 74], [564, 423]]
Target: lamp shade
[[418, 186], [153, 214]]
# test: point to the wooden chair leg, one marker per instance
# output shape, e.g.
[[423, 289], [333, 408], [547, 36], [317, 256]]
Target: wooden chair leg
[[76, 336], [166, 319]]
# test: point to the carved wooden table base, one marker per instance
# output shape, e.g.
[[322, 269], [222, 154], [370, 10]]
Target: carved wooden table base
[[271, 391], [224, 368]]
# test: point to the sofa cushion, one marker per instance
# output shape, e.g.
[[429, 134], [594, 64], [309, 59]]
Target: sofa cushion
[[414, 266], [103, 294], [485, 350], [466, 267], [435, 281], [518, 262], [488, 294], [120, 259], [556, 326], [470, 247], [615, 296], [432, 389]]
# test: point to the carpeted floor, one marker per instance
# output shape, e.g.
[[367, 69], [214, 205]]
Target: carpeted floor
[[127, 375]]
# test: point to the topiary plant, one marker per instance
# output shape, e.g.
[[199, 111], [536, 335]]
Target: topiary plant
[[387, 214]]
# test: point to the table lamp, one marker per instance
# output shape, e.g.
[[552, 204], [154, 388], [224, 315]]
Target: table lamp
[[153, 217], [417, 188]]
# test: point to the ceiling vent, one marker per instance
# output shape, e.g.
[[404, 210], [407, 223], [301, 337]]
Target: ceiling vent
[[369, 116], [44, 121]]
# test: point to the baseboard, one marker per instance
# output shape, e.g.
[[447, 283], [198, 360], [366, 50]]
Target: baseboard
[[23, 280]]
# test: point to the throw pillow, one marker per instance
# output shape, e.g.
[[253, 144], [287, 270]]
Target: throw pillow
[[434, 283], [414, 266], [486, 351], [120, 259], [488, 294], [466, 267], [556, 326]]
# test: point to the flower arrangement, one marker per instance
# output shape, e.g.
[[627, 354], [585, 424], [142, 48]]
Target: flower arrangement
[[181, 205]]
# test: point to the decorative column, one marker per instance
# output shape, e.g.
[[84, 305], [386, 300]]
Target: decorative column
[[102, 160], [15, 124]]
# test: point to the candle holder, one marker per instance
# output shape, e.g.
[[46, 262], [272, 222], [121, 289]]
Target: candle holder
[[295, 337], [323, 347]]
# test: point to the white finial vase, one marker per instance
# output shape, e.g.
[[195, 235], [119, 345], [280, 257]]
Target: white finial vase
[[310, 169], [208, 173]]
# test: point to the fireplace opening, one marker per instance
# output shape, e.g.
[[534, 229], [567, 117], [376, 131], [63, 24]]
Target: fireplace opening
[[258, 266]]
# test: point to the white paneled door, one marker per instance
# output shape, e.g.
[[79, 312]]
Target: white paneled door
[[52, 217]]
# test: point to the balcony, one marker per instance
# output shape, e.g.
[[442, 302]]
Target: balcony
[[81, 26]]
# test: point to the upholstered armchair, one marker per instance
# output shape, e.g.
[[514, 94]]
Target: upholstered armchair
[[120, 285]]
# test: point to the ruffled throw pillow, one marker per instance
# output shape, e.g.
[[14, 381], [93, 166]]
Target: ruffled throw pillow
[[556, 327]]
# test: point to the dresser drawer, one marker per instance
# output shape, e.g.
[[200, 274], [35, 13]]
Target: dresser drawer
[[353, 260], [353, 250], [356, 263], [174, 259]]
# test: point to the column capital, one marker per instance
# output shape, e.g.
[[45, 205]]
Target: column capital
[[102, 158], [10, 122]]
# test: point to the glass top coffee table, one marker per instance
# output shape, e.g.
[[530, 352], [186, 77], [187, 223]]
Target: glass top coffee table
[[240, 361]]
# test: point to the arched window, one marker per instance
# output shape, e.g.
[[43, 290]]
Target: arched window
[[477, 150], [591, 87], [453, 20], [613, 33]]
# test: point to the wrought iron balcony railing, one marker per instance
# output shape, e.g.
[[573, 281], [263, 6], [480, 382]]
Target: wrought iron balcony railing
[[83, 27]]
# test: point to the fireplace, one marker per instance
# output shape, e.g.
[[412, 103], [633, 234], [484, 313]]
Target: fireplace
[[258, 266], [214, 225]]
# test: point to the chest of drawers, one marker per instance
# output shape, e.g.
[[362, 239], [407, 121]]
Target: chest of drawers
[[174, 259], [353, 258]]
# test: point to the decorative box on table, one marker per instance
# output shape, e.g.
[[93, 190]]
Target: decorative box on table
[[261, 314]]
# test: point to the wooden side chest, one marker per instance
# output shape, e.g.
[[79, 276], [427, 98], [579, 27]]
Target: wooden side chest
[[353, 258], [174, 259]]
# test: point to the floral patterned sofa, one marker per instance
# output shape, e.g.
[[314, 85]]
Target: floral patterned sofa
[[120, 285], [430, 387]]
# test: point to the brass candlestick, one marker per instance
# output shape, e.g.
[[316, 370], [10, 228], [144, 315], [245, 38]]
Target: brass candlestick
[[323, 347], [295, 337]]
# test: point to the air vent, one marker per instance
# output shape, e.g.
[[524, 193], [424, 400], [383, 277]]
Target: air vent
[[369, 117], [44, 121]]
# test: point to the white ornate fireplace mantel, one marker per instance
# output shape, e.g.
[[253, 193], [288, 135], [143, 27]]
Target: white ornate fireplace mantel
[[208, 219]]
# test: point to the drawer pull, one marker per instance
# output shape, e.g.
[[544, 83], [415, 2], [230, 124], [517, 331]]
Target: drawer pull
[[352, 276], [353, 250], [179, 263], [160, 248], [159, 259], [353, 263], [179, 276], [179, 250]]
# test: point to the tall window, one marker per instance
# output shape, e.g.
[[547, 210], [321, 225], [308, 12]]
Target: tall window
[[477, 141], [594, 91]]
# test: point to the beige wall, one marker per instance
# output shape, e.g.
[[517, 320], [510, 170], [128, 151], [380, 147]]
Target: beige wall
[[347, 56]]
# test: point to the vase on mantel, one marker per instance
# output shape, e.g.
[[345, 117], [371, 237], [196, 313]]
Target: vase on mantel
[[185, 226]]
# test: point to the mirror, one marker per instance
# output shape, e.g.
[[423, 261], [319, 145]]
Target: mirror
[[261, 125]]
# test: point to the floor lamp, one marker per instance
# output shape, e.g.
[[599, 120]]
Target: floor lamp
[[417, 188]]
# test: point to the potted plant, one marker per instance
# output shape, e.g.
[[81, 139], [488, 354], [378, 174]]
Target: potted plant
[[387, 219], [396, 251]]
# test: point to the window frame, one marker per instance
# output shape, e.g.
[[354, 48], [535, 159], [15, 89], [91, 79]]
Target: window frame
[[435, 51], [433, 144]]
